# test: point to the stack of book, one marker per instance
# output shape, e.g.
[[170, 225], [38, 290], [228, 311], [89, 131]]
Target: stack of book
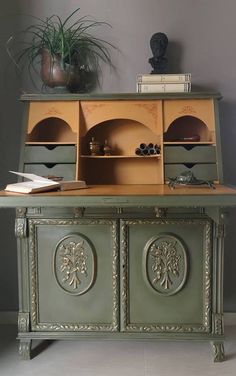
[[161, 83]]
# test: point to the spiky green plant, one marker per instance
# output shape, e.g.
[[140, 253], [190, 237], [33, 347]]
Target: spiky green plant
[[70, 39]]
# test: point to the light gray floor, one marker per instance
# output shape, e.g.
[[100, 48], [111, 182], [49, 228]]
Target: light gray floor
[[112, 358]]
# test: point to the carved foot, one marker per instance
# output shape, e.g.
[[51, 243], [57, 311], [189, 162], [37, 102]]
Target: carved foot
[[25, 348], [219, 351]]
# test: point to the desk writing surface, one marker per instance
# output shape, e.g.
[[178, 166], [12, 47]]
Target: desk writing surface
[[125, 195]]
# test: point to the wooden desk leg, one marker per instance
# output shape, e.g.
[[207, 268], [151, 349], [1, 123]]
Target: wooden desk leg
[[25, 348], [218, 351]]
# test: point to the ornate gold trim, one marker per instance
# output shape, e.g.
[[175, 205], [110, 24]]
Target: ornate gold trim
[[20, 223], [218, 351], [20, 228], [36, 325], [205, 327], [218, 323]]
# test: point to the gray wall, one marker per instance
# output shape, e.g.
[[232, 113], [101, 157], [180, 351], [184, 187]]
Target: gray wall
[[202, 41], [9, 151]]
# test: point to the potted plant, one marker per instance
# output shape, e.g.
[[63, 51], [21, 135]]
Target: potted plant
[[64, 52]]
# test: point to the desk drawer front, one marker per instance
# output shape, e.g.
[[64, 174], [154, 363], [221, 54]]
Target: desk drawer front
[[67, 171], [200, 171], [197, 154], [46, 154]]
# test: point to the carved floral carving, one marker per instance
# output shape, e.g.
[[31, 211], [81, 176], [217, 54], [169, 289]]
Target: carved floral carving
[[74, 264], [166, 264]]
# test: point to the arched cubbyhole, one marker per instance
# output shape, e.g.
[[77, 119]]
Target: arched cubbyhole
[[52, 129], [122, 135], [187, 129]]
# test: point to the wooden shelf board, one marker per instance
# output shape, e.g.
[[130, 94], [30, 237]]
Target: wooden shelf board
[[189, 143], [49, 143], [120, 156]]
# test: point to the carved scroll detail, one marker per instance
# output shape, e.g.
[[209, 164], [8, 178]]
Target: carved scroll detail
[[23, 322], [218, 351]]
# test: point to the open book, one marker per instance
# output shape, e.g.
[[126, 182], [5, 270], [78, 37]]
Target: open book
[[37, 183]]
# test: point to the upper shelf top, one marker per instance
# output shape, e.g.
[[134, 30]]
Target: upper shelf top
[[119, 96]]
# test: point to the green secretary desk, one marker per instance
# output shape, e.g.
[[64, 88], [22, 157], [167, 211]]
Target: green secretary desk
[[127, 257]]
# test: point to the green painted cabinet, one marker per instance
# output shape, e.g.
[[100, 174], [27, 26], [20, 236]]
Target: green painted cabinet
[[128, 258]]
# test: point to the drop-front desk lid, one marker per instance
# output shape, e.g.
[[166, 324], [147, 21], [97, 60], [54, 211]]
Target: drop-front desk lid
[[125, 196]]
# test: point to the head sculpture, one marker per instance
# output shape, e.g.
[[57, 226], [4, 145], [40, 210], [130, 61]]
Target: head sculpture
[[158, 44]]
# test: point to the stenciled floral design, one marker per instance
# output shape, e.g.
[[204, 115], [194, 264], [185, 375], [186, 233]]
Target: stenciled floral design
[[73, 262], [165, 263]]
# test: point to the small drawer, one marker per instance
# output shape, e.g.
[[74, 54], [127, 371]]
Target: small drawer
[[200, 171], [67, 171], [50, 154], [197, 154]]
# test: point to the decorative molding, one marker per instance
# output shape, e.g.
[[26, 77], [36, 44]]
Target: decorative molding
[[160, 212], [218, 351], [23, 322], [217, 320], [207, 280], [11, 317], [36, 325], [21, 228], [20, 223], [78, 212], [21, 212], [220, 230]]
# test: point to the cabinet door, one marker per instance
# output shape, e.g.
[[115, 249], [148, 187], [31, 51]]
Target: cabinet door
[[166, 281], [73, 275]]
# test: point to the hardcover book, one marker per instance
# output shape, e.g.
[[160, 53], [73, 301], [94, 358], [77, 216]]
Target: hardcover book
[[36, 183], [171, 78], [163, 87]]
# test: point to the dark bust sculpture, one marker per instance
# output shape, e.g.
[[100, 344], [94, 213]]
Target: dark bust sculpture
[[158, 44]]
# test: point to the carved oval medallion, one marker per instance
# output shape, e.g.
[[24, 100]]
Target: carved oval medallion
[[165, 264], [74, 264]]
